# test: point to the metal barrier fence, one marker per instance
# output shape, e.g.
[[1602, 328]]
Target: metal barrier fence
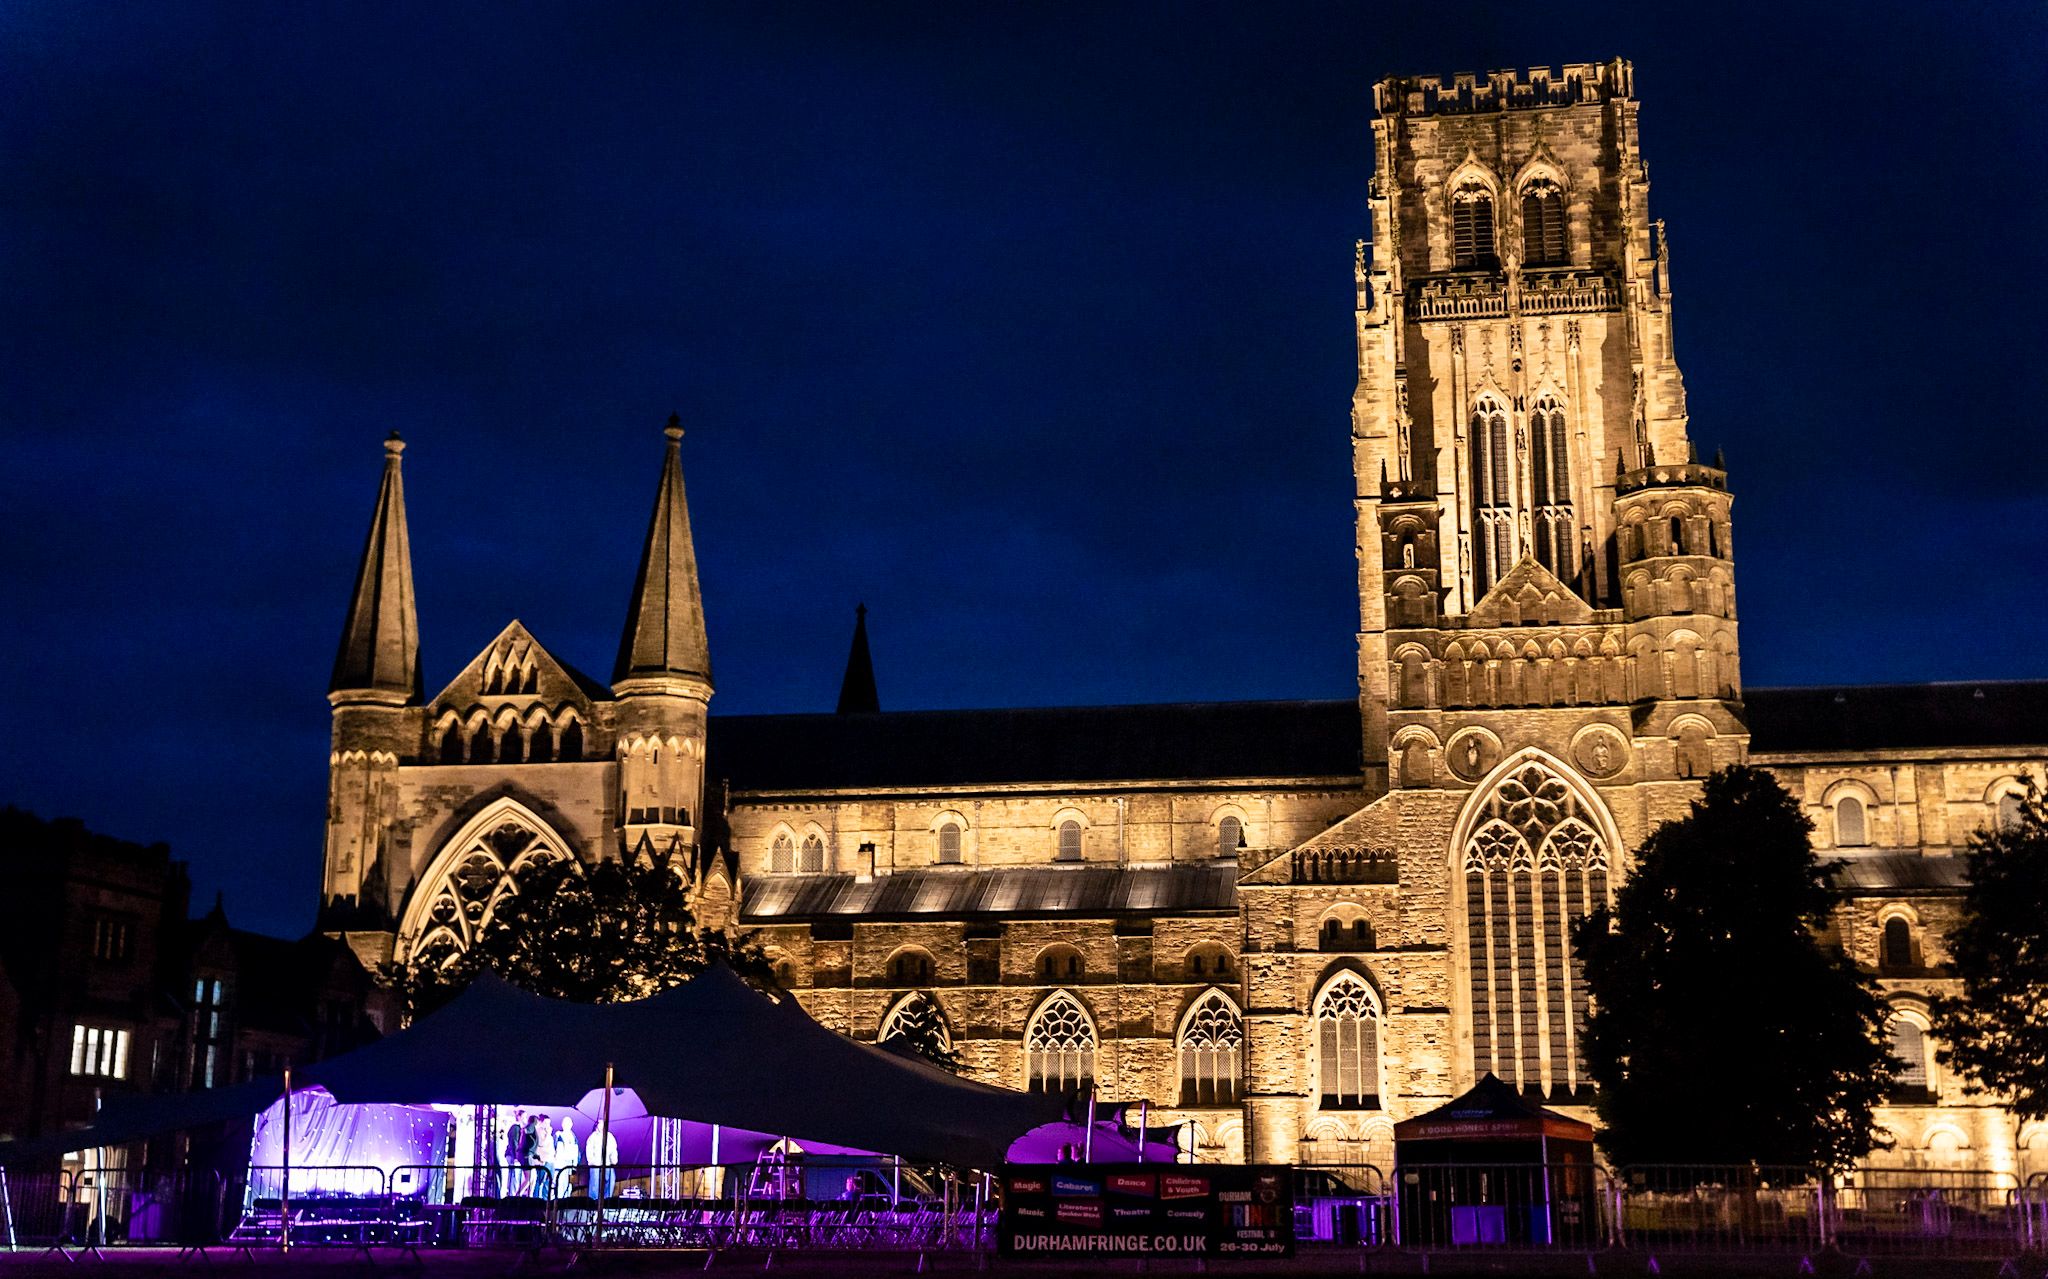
[[815, 1202], [104, 1207]]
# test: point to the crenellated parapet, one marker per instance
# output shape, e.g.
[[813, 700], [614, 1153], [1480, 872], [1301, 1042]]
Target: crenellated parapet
[[1470, 94]]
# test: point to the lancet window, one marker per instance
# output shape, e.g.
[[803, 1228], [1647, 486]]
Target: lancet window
[[1211, 1052], [1059, 1046], [1347, 1016], [813, 855], [782, 855], [461, 899], [1493, 515], [1534, 866], [1543, 233], [1550, 487]]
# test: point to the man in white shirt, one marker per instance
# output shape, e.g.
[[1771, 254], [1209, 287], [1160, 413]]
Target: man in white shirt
[[601, 1152]]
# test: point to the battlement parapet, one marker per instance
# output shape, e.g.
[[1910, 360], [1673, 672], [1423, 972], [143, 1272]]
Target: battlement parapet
[[1468, 94], [1681, 475]]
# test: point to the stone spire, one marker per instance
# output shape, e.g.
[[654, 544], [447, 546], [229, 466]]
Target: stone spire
[[857, 694], [379, 658], [664, 635]]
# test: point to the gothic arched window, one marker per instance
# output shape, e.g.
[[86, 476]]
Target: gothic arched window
[[1492, 493], [813, 855], [782, 855], [1472, 227], [1347, 1016], [1851, 831], [1059, 1046], [1534, 866], [1229, 834], [1211, 1052], [572, 741], [917, 1018], [1070, 841], [1543, 230], [460, 895]]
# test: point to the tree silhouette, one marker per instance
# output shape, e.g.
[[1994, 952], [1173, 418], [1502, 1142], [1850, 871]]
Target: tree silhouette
[[1722, 1029], [603, 934], [1996, 1033]]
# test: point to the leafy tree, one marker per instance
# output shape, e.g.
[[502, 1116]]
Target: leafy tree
[[603, 934], [922, 1033], [1723, 1030], [1996, 1034]]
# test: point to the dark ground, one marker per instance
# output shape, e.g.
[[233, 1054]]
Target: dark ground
[[1311, 1263]]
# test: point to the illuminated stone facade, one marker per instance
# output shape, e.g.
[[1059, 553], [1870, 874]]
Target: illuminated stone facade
[[1288, 923]]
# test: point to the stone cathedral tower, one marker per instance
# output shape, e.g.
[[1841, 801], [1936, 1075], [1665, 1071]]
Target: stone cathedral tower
[[1547, 613]]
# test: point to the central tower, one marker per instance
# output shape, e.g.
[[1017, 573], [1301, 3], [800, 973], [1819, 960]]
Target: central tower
[[1547, 641]]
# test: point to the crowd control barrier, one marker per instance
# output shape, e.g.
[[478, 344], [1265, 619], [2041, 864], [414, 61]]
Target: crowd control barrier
[[806, 1202]]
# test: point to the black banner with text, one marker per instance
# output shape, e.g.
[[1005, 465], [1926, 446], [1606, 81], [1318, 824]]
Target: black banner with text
[[1138, 1210]]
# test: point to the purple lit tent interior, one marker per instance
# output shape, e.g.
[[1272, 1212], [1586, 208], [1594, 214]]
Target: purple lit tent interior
[[709, 1052]]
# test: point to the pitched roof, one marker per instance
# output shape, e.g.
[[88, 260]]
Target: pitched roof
[[1065, 891], [1899, 716], [380, 638], [664, 633], [1884, 873], [1184, 742], [1213, 741]]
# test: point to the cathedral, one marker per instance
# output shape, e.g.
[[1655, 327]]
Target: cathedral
[[1285, 924]]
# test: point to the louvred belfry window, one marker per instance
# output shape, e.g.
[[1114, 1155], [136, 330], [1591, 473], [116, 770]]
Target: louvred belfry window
[[1534, 866], [1543, 232], [1472, 227]]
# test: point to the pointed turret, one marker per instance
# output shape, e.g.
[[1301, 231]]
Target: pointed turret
[[379, 658], [664, 637], [857, 694], [663, 679]]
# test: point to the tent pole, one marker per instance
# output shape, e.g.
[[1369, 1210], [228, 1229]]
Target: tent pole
[[1088, 1133], [896, 1183], [604, 1148], [1144, 1125], [284, 1197]]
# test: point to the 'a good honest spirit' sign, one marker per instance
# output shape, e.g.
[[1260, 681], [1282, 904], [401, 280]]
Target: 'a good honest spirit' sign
[[1183, 1210]]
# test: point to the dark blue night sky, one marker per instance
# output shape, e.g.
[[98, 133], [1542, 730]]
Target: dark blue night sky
[[1027, 324]]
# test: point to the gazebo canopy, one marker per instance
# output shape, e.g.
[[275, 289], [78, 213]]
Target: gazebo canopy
[[1492, 1111]]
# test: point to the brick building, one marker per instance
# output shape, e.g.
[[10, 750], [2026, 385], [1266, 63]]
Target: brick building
[[110, 988], [1290, 924]]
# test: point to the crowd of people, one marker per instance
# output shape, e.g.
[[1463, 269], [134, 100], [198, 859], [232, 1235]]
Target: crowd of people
[[540, 1160]]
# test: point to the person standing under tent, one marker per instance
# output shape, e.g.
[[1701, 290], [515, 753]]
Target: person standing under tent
[[568, 1153], [517, 1138], [604, 1163], [543, 1157]]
